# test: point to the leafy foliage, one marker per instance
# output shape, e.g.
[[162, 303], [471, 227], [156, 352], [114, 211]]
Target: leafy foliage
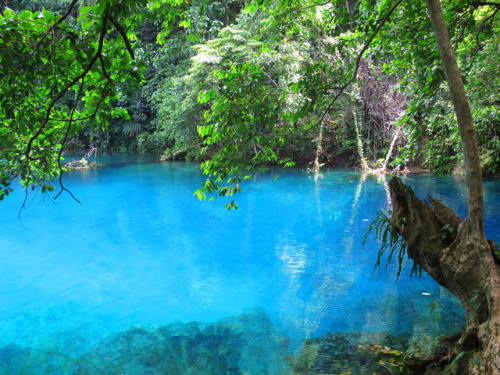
[[179, 79], [245, 130], [59, 76], [392, 242], [137, 70]]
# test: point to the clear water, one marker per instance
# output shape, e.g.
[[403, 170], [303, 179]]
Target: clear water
[[141, 253]]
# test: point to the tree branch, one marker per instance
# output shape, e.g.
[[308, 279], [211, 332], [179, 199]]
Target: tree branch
[[124, 36], [55, 24], [64, 90], [270, 78], [358, 59]]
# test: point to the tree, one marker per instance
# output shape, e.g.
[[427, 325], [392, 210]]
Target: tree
[[455, 253], [60, 74], [57, 74], [467, 264], [171, 87]]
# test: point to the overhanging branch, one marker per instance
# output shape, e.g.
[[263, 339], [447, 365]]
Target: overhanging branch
[[64, 90], [55, 24], [358, 59]]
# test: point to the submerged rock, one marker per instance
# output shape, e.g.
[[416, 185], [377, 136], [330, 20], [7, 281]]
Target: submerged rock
[[246, 344], [243, 344]]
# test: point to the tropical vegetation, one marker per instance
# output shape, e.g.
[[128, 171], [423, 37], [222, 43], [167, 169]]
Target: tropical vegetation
[[242, 85]]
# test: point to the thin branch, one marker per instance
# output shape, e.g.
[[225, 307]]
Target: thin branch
[[76, 119], [481, 28], [63, 142], [23, 206], [358, 59], [488, 3], [55, 24], [270, 78], [1, 10], [124, 36], [104, 69], [64, 90], [327, 88]]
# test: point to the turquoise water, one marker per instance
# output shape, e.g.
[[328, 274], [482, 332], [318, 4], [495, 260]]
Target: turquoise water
[[141, 259]]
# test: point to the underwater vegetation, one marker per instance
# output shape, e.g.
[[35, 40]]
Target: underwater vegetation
[[243, 344], [246, 344], [347, 354]]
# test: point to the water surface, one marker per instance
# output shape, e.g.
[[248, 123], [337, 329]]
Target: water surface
[[141, 253]]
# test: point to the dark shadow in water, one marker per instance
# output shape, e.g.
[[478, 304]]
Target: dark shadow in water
[[243, 344], [240, 345]]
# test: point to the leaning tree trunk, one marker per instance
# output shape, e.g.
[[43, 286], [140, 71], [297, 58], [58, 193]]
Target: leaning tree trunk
[[449, 251], [391, 148], [455, 253]]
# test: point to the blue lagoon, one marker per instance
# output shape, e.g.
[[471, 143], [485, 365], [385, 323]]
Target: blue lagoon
[[142, 278]]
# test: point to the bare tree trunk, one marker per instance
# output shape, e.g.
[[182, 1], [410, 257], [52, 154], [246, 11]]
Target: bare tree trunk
[[391, 148], [317, 165], [455, 253]]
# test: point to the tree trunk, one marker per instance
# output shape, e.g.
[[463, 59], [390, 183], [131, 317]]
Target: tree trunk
[[439, 242], [319, 141], [364, 164], [391, 148], [455, 253], [464, 117]]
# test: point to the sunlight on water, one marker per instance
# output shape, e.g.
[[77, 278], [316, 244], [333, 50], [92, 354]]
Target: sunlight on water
[[91, 288]]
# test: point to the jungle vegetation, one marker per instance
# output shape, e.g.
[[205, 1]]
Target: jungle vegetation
[[387, 84], [380, 120]]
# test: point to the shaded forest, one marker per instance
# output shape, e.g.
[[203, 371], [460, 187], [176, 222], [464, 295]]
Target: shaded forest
[[395, 115]]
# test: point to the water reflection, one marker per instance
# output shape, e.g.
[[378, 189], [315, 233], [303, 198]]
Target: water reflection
[[141, 251], [294, 259]]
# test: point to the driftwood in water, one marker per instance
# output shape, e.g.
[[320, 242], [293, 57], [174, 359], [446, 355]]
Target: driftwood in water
[[84, 163], [173, 155]]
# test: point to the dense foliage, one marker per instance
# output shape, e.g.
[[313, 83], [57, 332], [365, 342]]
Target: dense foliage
[[61, 74], [242, 85]]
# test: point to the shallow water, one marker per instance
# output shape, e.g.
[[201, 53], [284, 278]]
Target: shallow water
[[141, 252]]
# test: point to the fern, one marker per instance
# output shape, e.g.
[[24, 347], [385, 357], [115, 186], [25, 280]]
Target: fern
[[391, 241], [132, 129]]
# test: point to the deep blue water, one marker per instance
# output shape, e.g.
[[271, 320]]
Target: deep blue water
[[141, 251]]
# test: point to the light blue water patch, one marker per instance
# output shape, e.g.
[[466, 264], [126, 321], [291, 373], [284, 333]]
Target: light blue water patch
[[142, 251]]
